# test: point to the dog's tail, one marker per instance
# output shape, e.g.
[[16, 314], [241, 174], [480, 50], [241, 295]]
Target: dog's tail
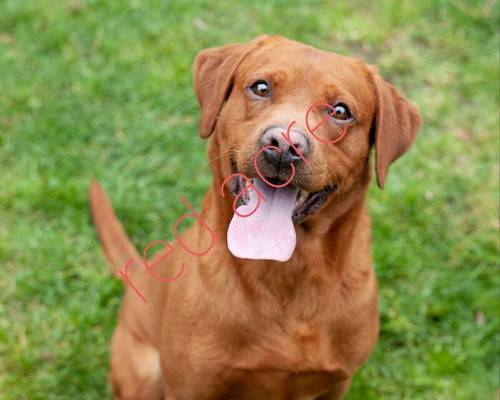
[[116, 245]]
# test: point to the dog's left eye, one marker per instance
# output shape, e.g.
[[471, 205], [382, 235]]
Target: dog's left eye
[[260, 88], [340, 112]]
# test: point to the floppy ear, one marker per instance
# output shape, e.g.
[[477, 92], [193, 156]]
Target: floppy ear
[[396, 126], [213, 75]]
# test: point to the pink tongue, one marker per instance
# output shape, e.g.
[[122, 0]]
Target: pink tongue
[[267, 234]]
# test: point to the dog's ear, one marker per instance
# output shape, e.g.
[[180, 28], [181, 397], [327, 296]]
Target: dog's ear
[[395, 127], [213, 75]]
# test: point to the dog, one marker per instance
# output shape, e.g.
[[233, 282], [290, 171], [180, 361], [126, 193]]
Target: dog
[[284, 305]]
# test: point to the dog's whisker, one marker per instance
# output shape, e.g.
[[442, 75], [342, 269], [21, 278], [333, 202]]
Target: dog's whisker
[[227, 152]]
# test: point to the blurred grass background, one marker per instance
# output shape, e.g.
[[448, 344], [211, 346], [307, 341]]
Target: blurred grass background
[[103, 88]]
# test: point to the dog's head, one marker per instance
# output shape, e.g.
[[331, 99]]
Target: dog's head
[[291, 116]]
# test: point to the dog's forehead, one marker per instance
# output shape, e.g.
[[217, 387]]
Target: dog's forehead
[[297, 59]]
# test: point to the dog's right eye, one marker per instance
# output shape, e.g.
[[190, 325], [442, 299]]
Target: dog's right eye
[[260, 88]]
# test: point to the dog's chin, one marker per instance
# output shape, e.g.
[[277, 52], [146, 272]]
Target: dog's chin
[[306, 203]]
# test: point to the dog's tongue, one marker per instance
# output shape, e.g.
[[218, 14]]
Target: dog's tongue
[[267, 234]]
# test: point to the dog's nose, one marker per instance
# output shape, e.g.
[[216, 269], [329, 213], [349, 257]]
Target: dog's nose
[[280, 138]]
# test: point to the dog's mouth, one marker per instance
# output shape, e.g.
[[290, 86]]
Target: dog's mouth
[[262, 226], [306, 203]]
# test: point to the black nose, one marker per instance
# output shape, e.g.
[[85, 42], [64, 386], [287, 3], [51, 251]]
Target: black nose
[[288, 154]]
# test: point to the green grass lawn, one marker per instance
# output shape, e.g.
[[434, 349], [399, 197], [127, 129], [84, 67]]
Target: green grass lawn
[[103, 89]]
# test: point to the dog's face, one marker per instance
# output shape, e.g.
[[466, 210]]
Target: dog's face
[[278, 84], [296, 116]]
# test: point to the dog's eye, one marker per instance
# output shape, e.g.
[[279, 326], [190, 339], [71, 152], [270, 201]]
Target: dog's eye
[[260, 88], [340, 112]]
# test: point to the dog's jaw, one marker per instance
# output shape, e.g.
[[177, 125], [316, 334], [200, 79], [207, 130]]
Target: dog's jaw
[[307, 203]]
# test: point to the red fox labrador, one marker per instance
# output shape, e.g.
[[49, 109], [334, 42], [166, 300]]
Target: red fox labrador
[[284, 305]]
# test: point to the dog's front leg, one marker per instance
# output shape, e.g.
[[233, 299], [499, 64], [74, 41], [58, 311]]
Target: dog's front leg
[[338, 391]]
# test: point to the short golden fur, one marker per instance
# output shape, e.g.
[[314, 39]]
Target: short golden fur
[[233, 328]]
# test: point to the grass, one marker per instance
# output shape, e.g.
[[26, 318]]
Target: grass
[[103, 88]]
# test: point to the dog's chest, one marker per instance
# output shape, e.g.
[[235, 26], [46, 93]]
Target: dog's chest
[[297, 361], [275, 384]]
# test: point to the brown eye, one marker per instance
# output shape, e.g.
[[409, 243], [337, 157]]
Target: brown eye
[[340, 112], [261, 89]]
